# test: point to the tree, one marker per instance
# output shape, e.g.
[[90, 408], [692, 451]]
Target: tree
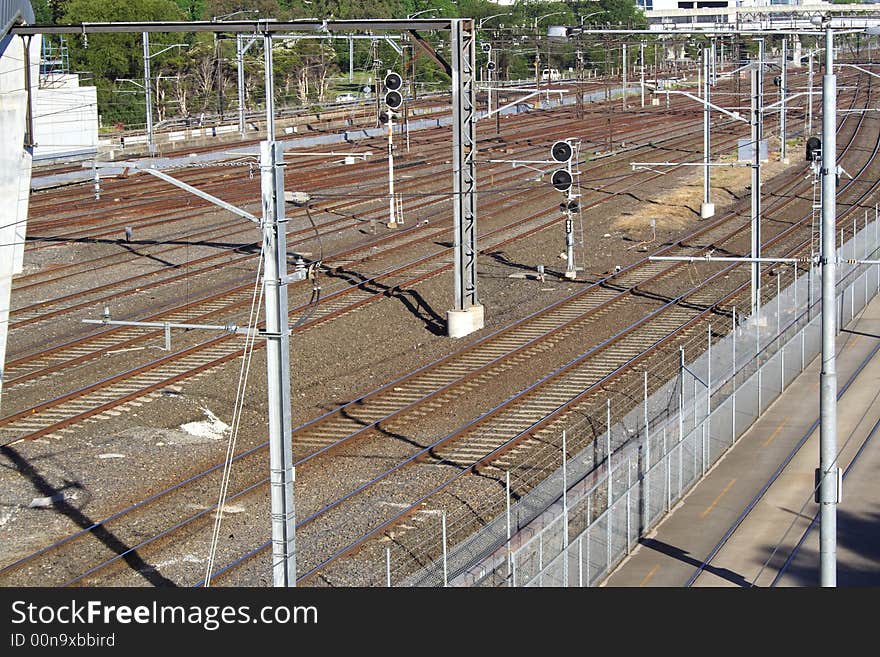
[[110, 57]]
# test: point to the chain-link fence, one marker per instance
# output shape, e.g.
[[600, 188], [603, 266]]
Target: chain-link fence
[[577, 523]]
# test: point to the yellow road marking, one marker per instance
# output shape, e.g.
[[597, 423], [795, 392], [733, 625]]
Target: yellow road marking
[[709, 508], [649, 575], [775, 432]]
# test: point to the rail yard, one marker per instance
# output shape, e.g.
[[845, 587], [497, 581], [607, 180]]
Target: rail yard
[[123, 430]]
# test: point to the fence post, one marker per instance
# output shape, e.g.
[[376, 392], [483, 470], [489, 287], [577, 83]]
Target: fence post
[[865, 242], [509, 558], [388, 566], [779, 345], [581, 561], [778, 309], [564, 513], [708, 424], [646, 485], [445, 571], [540, 559], [810, 292], [610, 490], [668, 459], [803, 346], [628, 500], [680, 419], [587, 533], [695, 405], [758, 356], [608, 450], [733, 378]]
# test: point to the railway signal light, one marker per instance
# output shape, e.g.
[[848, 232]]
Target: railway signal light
[[393, 97], [814, 149], [393, 100], [393, 81], [486, 47], [561, 180], [490, 66], [561, 151]]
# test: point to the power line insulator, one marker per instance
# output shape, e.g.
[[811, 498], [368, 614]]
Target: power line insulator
[[561, 151], [561, 180]]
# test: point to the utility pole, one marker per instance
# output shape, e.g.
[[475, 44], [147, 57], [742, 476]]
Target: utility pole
[[623, 65], [148, 94], [374, 48], [275, 279], [219, 78], [756, 192], [240, 51], [642, 73], [757, 130], [707, 209], [392, 220], [783, 155], [828, 474], [810, 96]]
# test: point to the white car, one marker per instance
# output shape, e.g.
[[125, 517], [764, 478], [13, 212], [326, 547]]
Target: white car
[[346, 98]]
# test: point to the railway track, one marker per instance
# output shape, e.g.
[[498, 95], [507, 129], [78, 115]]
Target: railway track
[[61, 412], [39, 365], [451, 454]]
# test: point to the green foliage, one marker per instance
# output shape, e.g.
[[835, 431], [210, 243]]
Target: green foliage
[[42, 11], [622, 12], [201, 76], [109, 57]]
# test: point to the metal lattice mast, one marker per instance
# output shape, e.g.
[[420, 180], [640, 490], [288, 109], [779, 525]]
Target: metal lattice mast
[[468, 313]]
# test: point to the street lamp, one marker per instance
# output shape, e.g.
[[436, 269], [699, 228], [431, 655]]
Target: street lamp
[[540, 18], [423, 11], [537, 56], [148, 96], [586, 16], [217, 19], [483, 20]]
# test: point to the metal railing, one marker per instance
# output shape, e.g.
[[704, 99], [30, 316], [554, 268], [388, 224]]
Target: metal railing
[[575, 526]]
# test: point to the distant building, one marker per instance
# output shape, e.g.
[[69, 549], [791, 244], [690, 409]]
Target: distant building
[[753, 14]]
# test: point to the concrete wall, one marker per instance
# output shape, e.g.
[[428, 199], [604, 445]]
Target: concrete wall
[[15, 170], [65, 119]]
